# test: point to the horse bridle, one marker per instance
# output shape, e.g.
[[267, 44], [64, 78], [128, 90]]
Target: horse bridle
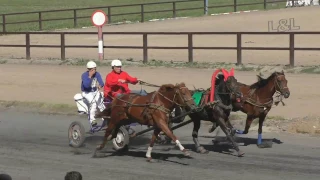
[[280, 87], [232, 91], [181, 96]]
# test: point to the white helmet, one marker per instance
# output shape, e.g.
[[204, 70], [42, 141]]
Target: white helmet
[[91, 64], [116, 62]]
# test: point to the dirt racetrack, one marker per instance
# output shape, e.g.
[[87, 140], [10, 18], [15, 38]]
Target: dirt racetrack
[[304, 17], [35, 147]]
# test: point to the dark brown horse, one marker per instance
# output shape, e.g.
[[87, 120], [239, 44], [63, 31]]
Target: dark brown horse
[[226, 90], [152, 110], [258, 100], [216, 107]]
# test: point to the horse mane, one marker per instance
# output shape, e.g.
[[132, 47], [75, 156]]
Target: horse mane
[[262, 81], [170, 87]]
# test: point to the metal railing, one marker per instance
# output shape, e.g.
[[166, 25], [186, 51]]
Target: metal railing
[[189, 47], [204, 6]]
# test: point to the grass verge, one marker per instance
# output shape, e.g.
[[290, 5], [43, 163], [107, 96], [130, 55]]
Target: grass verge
[[40, 107], [261, 68], [9, 6]]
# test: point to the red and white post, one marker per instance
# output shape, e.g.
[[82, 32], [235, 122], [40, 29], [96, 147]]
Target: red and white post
[[99, 18]]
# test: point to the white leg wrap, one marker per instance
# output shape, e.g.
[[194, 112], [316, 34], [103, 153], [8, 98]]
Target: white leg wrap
[[179, 144], [148, 155]]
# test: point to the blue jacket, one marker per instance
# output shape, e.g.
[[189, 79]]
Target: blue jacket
[[89, 84]]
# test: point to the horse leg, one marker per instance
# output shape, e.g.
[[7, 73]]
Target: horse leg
[[106, 138], [261, 120], [162, 138], [196, 127], [229, 125], [234, 131], [248, 124], [213, 127], [167, 139], [228, 134], [164, 127], [154, 136]]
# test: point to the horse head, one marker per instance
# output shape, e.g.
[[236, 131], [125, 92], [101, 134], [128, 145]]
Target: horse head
[[179, 94], [276, 80], [281, 84], [231, 85]]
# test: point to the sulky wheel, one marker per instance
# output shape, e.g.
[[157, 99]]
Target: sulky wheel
[[76, 134], [122, 139]]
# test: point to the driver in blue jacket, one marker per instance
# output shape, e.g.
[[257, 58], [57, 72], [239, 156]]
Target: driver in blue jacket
[[89, 89]]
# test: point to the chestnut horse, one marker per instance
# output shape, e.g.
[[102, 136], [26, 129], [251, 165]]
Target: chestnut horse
[[152, 110], [258, 100]]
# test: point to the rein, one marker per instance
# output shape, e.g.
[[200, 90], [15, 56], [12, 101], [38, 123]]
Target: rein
[[156, 106], [172, 101], [279, 93], [148, 84]]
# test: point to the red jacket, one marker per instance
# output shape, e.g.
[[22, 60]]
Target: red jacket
[[112, 87]]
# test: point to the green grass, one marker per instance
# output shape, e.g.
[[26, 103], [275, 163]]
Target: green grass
[[311, 70], [14, 6], [40, 107], [170, 64]]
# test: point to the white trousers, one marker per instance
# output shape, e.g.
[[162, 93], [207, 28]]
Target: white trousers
[[94, 99]]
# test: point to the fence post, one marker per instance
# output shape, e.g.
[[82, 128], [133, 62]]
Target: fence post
[[291, 54], [190, 47], [63, 48], [109, 15], [3, 23], [145, 48], [174, 11], [205, 2], [142, 13], [40, 21], [75, 23], [235, 5], [265, 4], [28, 46], [239, 49]]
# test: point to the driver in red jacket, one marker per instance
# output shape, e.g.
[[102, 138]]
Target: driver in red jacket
[[117, 82]]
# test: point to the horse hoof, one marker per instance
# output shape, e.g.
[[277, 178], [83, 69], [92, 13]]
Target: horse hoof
[[186, 153], [94, 155], [150, 160], [265, 145], [210, 130], [240, 153], [215, 142], [99, 147], [202, 150]]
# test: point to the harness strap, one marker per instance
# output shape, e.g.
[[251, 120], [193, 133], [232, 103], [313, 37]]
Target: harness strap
[[267, 104], [159, 107]]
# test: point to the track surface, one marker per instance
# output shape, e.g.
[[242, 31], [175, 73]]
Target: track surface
[[34, 146]]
